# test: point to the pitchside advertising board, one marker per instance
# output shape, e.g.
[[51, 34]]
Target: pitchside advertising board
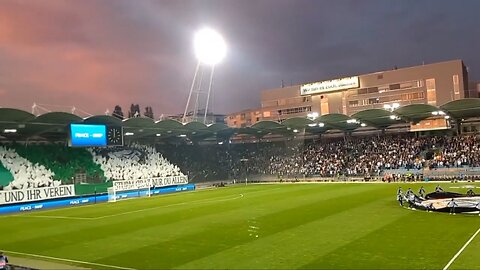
[[36, 194], [74, 201], [123, 185], [329, 86]]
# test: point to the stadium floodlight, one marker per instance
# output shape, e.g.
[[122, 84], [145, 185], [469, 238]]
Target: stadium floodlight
[[321, 124], [295, 130], [435, 113], [209, 46], [129, 134], [447, 117], [312, 125], [363, 125], [158, 134], [352, 121], [394, 117], [11, 130], [395, 105], [312, 115], [386, 106], [210, 49]]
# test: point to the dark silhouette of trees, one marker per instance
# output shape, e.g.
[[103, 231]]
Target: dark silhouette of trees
[[148, 112], [134, 111], [117, 112]]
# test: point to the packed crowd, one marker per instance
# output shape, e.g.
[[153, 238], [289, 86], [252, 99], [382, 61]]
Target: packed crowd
[[352, 156], [133, 162], [25, 173], [355, 156]]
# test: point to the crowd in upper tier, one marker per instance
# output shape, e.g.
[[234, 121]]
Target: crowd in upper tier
[[31, 167], [354, 156], [25, 173], [133, 162]]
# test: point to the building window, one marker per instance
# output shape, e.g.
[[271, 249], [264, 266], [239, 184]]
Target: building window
[[353, 103], [373, 101], [394, 86], [362, 91], [372, 90], [456, 86], [379, 76]]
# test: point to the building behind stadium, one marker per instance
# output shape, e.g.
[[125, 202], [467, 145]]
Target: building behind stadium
[[434, 84]]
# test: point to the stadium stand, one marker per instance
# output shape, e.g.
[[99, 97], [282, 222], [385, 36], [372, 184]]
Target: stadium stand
[[353, 156], [5, 176], [25, 173], [133, 162], [64, 162]]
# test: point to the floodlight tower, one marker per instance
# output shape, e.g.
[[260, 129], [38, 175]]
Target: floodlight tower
[[210, 49]]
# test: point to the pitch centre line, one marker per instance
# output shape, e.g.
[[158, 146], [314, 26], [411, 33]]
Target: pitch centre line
[[68, 260], [461, 250]]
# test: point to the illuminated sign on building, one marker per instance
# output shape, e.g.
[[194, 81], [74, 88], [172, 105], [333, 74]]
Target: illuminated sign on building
[[329, 86]]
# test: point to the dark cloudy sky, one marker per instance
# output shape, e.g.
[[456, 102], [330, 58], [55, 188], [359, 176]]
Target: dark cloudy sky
[[95, 54]]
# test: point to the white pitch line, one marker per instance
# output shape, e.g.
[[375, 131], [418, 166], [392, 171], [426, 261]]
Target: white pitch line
[[169, 205], [68, 260], [461, 250], [53, 217]]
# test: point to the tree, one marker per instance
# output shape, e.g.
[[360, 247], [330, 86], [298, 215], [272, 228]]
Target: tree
[[117, 112], [134, 111], [148, 112], [137, 111]]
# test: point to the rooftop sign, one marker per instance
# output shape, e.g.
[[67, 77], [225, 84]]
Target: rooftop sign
[[329, 86]]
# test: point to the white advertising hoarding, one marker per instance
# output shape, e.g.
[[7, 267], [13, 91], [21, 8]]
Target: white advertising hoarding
[[36, 194], [329, 86], [122, 185]]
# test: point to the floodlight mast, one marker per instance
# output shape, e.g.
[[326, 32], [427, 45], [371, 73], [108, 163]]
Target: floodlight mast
[[210, 49]]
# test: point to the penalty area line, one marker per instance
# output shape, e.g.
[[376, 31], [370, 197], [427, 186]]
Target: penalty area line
[[68, 260], [461, 250]]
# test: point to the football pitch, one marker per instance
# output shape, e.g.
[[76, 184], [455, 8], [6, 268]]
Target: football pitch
[[275, 226]]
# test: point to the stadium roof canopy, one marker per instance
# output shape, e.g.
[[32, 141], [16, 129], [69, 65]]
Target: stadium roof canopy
[[16, 123]]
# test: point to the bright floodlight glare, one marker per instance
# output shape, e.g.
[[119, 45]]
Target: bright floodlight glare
[[209, 46]]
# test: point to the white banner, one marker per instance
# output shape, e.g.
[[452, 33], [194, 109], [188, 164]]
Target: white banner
[[329, 86], [36, 194], [122, 185]]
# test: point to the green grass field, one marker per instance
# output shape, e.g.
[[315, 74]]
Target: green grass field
[[311, 226]]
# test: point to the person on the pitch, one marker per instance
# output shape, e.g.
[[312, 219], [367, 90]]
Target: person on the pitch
[[452, 204], [421, 192], [3, 261], [399, 190], [470, 193], [438, 188], [430, 207], [478, 207], [400, 199], [408, 193]]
